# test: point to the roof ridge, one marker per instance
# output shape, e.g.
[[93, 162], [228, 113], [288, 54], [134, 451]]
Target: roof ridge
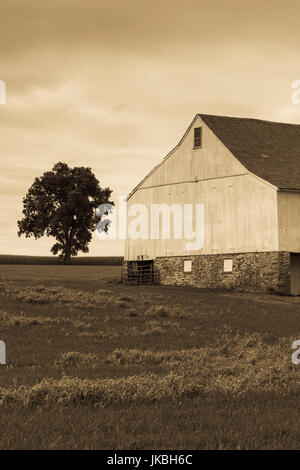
[[247, 119]]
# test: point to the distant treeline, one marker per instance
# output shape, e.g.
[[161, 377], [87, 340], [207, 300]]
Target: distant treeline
[[79, 260]]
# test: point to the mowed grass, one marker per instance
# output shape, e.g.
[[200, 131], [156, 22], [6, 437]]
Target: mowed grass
[[45, 273], [95, 364], [55, 260]]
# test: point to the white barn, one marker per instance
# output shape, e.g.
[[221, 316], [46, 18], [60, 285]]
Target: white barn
[[246, 174]]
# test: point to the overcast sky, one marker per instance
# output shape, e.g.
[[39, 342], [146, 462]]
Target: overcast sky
[[114, 84]]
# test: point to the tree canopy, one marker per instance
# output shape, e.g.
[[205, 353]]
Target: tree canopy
[[62, 204]]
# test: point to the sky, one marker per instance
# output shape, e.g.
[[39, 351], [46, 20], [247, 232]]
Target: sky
[[113, 85]]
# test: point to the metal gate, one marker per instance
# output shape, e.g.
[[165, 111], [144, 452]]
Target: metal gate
[[138, 272]]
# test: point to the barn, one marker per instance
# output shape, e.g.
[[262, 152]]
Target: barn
[[245, 174]]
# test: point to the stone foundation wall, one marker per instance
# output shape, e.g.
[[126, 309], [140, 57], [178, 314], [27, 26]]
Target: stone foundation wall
[[260, 272]]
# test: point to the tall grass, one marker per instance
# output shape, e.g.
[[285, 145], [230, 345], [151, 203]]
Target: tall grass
[[46, 295], [235, 366]]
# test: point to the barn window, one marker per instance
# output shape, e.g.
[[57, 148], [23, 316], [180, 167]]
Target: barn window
[[187, 266], [228, 265], [197, 137]]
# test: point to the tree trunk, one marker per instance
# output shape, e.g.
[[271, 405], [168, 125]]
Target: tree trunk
[[67, 255], [67, 259]]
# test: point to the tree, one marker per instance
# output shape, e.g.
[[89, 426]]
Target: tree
[[62, 204]]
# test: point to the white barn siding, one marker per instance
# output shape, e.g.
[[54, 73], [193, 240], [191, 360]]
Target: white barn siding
[[184, 163], [240, 210]]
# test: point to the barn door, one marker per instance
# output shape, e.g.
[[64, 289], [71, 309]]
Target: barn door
[[139, 272], [295, 273]]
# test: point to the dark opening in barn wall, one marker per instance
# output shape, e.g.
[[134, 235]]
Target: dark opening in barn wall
[[295, 273], [138, 272]]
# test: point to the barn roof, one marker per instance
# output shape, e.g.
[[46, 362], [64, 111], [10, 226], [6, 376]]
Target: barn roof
[[270, 150]]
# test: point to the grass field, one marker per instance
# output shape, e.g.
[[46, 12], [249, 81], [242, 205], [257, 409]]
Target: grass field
[[55, 260], [95, 364]]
